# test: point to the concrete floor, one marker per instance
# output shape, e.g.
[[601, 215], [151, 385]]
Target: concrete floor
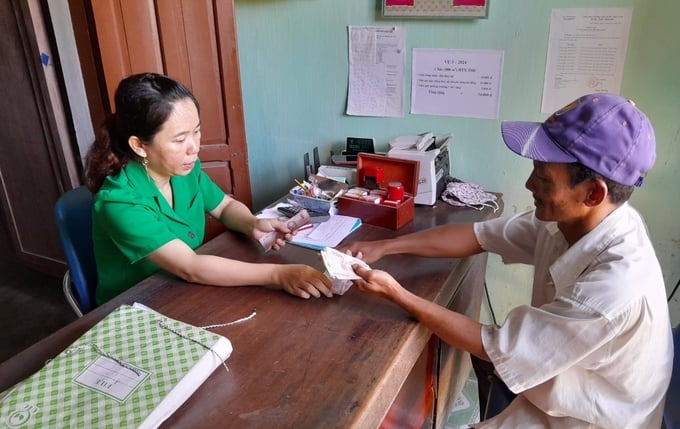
[[33, 305]]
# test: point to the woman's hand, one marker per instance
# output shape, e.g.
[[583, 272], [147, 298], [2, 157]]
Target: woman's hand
[[263, 227], [236, 216], [303, 281]]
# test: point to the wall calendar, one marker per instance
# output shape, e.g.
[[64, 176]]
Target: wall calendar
[[436, 8]]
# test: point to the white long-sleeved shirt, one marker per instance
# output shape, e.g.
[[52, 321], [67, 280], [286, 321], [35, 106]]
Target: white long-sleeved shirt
[[594, 349]]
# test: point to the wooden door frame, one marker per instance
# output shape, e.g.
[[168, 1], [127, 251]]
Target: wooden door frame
[[36, 248], [99, 95]]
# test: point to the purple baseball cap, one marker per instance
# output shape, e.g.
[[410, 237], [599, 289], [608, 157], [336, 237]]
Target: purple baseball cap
[[604, 132]]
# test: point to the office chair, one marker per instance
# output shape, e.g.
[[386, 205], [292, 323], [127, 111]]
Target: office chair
[[671, 414], [73, 214], [498, 398]]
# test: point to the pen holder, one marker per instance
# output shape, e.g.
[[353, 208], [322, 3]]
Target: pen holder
[[329, 186]]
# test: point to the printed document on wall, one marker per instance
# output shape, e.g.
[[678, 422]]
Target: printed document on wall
[[586, 54], [376, 71], [455, 82]]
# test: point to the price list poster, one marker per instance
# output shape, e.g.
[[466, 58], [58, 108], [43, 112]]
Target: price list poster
[[456, 82]]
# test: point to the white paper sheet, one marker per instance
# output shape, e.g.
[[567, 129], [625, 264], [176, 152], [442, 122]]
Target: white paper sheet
[[452, 82], [586, 54], [327, 234], [376, 71]]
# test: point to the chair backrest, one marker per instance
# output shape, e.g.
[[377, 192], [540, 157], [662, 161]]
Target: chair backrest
[[671, 415], [73, 214]]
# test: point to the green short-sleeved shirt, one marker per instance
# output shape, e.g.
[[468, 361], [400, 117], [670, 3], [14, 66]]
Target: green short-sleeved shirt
[[131, 219]]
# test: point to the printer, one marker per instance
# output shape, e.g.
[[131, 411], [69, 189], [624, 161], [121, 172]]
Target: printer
[[432, 154]]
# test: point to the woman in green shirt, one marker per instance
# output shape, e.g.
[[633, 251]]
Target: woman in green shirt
[[151, 198]]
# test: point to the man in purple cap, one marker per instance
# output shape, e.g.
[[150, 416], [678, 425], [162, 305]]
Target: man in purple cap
[[594, 349]]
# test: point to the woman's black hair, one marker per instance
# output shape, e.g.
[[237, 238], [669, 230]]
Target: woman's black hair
[[143, 103]]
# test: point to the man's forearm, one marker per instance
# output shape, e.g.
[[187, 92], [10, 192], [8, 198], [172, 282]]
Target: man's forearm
[[453, 328], [452, 241]]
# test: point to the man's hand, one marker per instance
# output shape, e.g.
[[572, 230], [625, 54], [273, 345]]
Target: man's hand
[[377, 282], [367, 251]]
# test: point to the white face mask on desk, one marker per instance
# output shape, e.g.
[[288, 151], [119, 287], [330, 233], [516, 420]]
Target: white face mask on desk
[[463, 194]]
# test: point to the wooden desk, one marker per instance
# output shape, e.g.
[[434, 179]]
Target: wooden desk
[[314, 363]]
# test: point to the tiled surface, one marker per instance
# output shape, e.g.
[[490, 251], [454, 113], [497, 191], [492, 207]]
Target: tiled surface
[[465, 409]]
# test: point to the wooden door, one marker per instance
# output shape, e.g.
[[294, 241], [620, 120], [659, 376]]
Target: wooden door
[[193, 41], [33, 171]]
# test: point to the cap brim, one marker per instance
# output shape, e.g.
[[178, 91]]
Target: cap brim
[[528, 139]]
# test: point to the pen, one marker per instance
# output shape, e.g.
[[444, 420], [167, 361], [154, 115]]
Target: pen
[[304, 227]]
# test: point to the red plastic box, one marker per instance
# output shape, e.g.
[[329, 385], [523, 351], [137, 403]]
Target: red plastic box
[[393, 170]]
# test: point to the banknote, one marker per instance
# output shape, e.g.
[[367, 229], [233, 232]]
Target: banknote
[[339, 265], [300, 219]]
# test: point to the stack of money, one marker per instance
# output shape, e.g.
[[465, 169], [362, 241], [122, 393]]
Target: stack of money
[[339, 269], [300, 219]]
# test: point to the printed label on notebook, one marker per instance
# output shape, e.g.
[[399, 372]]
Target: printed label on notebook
[[107, 376]]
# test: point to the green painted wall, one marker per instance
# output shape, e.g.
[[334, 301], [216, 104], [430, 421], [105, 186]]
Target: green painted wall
[[293, 58]]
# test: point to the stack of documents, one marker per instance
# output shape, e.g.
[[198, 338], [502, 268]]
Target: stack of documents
[[132, 369], [327, 234]]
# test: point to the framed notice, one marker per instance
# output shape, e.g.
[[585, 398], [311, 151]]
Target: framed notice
[[436, 8]]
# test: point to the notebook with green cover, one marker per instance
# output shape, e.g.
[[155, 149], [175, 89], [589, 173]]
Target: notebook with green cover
[[132, 369]]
